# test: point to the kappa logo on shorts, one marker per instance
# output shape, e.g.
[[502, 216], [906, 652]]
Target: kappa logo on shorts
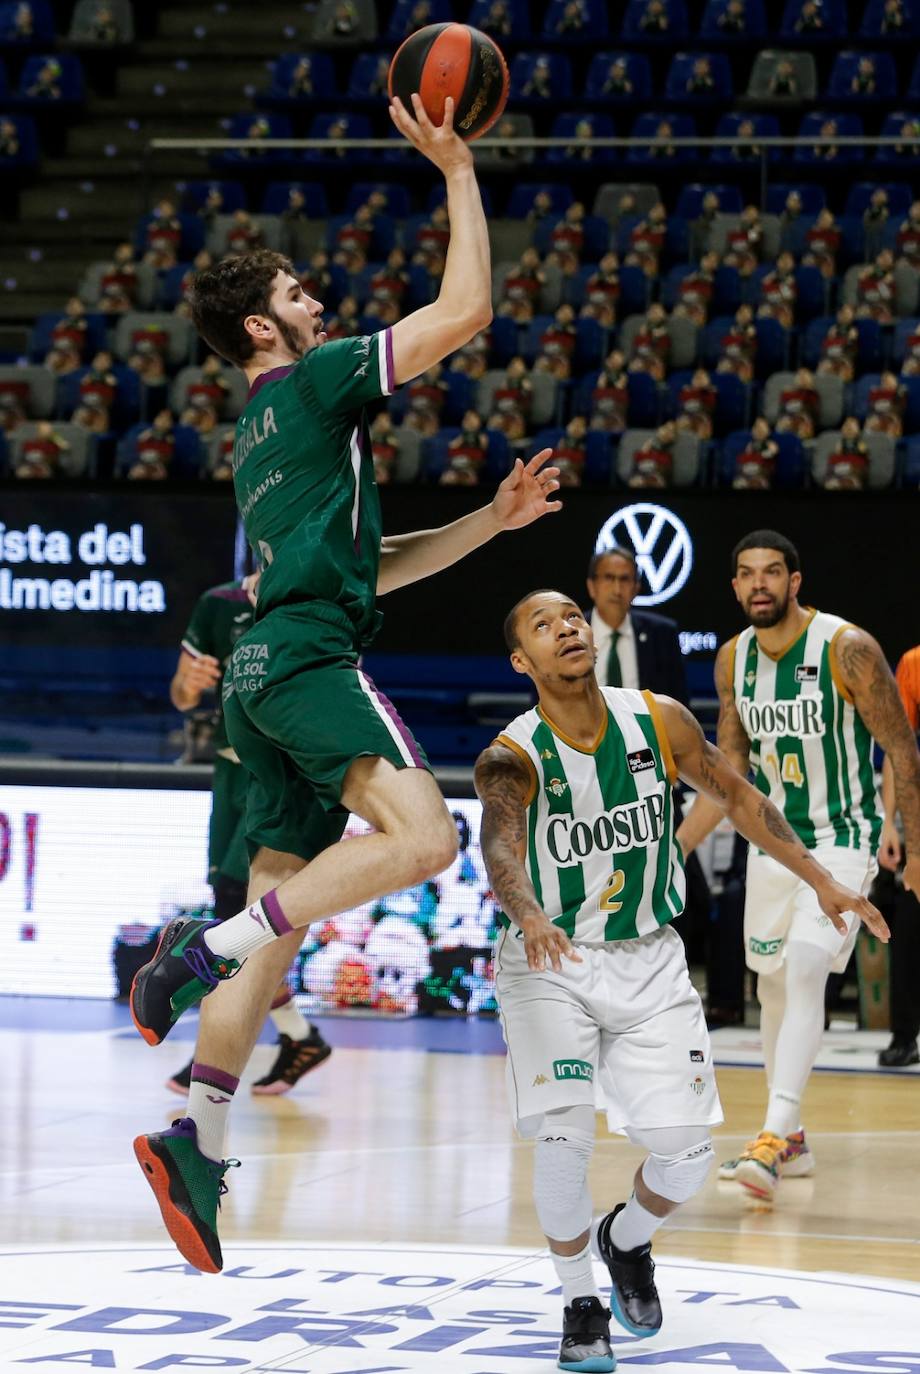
[[697, 1057], [573, 1068], [698, 1086], [806, 672], [764, 946], [540, 1080], [640, 760]]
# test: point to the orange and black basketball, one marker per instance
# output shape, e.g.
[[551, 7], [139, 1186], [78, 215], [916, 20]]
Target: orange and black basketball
[[452, 59]]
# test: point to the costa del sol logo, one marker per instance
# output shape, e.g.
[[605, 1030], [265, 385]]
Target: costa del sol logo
[[356, 1309], [661, 543]]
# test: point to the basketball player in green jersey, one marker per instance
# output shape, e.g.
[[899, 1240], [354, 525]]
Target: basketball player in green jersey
[[220, 616], [317, 737], [802, 696], [578, 836]]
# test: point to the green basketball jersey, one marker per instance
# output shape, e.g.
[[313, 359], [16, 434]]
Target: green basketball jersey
[[601, 852], [304, 478], [810, 751], [220, 616]]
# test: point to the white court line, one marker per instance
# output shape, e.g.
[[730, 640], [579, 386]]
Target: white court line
[[796, 1235]]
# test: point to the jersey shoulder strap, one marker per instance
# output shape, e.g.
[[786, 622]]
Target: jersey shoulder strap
[[518, 737]]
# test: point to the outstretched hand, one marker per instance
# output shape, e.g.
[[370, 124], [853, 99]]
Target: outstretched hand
[[437, 142], [835, 900], [525, 493]]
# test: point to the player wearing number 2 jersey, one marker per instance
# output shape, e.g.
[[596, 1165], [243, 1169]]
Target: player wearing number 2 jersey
[[314, 734], [597, 1006], [802, 696]]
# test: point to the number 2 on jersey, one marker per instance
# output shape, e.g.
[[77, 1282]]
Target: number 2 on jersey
[[788, 770], [613, 889]]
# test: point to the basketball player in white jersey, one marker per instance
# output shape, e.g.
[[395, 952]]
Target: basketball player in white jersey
[[802, 696], [579, 842]]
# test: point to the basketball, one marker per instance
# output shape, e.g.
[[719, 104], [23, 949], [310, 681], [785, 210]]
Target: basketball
[[452, 59]]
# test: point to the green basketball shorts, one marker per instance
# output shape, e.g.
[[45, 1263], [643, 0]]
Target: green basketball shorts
[[227, 853], [298, 712]]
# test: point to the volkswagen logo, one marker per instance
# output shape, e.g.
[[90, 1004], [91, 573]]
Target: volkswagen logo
[[661, 543]]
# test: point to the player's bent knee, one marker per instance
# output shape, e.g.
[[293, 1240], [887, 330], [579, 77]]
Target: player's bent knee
[[679, 1177], [564, 1142]]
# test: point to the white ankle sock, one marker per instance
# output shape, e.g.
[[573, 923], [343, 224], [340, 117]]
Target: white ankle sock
[[782, 1113], [576, 1274], [634, 1226], [289, 1020], [255, 926], [210, 1095]]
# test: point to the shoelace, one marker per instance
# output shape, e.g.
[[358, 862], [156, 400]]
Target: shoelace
[[225, 1164], [199, 964]]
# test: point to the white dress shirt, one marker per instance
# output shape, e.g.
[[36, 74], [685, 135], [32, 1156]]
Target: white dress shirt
[[626, 650]]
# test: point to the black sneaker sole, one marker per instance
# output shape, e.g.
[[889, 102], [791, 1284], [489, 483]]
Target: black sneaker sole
[[141, 1013]]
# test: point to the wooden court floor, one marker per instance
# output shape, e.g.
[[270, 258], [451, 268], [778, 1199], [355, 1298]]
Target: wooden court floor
[[389, 1146]]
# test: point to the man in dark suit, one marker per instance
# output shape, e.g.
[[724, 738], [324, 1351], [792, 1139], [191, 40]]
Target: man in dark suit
[[634, 648]]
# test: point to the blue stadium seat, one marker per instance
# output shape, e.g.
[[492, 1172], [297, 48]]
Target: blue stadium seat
[[560, 73], [593, 29], [893, 127], [435, 454], [40, 336], [911, 466], [813, 293], [195, 193], [564, 126], [647, 125], [690, 201], [733, 403], [833, 13], [398, 204], [28, 155], [681, 70], [277, 125], [192, 240], [765, 126], [600, 454], [638, 72], [356, 126], [644, 409], [678, 25], [322, 75], [383, 237], [912, 409], [899, 196], [902, 332], [43, 31], [755, 20], [773, 345], [504, 337], [869, 348], [499, 458], [362, 74], [277, 193], [727, 291], [522, 198], [844, 70], [635, 292], [169, 286], [591, 346], [188, 455], [871, 26], [69, 81], [848, 126], [790, 461], [518, 11], [596, 243], [814, 198], [402, 24], [127, 402]]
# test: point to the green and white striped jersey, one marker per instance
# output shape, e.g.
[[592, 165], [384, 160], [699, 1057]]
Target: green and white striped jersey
[[810, 751], [601, 852]]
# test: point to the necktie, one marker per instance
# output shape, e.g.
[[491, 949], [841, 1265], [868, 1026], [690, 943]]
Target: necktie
[[614, 676]]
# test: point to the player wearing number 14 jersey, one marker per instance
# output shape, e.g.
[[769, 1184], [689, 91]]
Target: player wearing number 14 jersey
[[802, 695], [596, 1002]]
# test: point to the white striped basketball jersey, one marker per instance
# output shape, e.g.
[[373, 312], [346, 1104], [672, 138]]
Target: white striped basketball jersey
[[810, 751], [601, 852]]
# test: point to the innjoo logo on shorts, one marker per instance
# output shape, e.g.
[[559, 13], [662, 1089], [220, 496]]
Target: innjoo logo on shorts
[[573, 1068]]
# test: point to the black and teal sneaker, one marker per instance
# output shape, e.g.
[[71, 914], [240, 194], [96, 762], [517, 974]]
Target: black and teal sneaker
[[633, 1295], [586, 1337], [182, 971], [188, 1188]]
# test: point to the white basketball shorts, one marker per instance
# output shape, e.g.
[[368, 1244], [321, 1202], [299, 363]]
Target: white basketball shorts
[[623, 1030], [779, 907]]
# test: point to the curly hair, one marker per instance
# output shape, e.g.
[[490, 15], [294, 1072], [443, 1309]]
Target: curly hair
[[222, 296]]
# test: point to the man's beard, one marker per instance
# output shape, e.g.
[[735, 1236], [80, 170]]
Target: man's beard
[[293, 341], [766, 619]]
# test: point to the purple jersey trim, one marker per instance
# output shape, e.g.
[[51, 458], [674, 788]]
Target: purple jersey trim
[[228, 594], [395, 717], [274, 374], [388, 355], [277, 919], [214, 1078]]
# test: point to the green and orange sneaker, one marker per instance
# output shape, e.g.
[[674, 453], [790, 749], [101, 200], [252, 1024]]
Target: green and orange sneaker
[[182, 971], [188, 1188], [797, 1160], [760, 1165]]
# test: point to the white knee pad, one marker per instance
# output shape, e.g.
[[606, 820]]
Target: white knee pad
[[678, 1177], [564, 1142]]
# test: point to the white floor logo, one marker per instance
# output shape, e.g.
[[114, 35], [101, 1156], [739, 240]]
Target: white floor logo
[[661, 543], [340, 1309]]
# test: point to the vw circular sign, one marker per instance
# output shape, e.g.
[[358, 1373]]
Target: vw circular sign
[[661, 543]]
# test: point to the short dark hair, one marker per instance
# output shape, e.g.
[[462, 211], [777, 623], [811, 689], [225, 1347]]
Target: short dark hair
[[222, 296], [509, 629], [615, 551], [768, 539]]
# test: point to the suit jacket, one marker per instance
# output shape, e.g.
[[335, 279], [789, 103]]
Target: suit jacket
[[661, 663]]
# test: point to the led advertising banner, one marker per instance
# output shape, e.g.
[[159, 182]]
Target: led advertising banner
[[88, 874]]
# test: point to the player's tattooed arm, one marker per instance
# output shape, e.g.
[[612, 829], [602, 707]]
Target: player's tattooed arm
[[754, 816], [504, 781], [870, 682], [734, 744]]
